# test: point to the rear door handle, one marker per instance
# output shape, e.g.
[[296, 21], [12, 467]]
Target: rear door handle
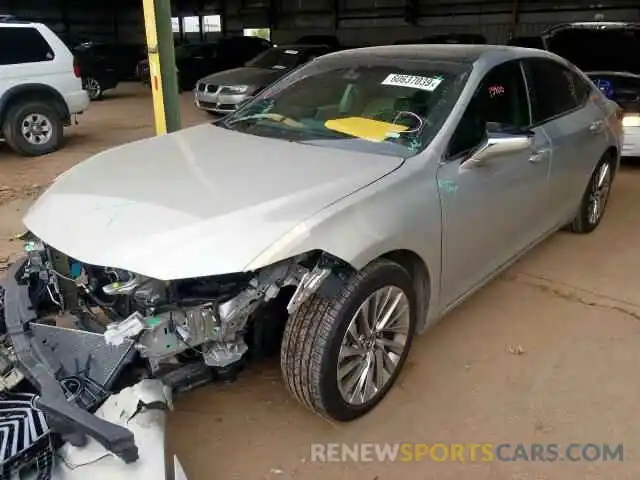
[[539, 155], [596, 127]]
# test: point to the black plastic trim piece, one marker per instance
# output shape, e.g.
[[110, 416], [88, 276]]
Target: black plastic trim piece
[[63, 417]]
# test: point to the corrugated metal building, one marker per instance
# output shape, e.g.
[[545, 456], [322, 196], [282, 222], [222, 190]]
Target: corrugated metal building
[[356, 22]]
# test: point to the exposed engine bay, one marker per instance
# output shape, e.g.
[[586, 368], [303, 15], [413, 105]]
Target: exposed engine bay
[[79, 333]]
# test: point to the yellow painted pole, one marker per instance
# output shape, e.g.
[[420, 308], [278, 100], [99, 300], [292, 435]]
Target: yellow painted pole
[[155, 71]]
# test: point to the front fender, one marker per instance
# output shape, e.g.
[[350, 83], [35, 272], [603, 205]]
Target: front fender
[[399, 212]]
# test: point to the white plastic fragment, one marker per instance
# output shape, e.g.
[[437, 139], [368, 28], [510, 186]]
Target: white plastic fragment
[[117, 332], [148, 426], [178, 471]]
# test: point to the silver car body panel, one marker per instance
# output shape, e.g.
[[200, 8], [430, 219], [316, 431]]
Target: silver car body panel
[[207, 201]]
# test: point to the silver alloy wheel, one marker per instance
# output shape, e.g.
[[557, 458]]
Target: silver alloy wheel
[[93, 87], [373, 345], [36, 128], [599, 193]]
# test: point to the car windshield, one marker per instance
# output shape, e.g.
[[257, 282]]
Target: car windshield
[[614, 49], [278, 59], [385, 106]]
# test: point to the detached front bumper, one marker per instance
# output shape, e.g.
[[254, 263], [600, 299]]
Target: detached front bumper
[[47, 364]]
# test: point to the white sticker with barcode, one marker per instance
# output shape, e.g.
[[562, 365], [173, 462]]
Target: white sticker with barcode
[[412, 81]]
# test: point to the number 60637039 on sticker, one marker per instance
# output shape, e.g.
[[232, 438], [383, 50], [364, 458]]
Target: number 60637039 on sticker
[[412, 81]]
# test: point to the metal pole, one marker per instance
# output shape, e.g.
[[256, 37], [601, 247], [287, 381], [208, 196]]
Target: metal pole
[[162, 65]]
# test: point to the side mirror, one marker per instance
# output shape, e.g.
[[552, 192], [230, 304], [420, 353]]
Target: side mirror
[[499, 144]]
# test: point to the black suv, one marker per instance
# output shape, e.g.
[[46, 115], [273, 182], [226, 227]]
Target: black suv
[[99, 72]]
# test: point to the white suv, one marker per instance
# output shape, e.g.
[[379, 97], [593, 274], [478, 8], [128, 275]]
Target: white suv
[[40, 87]]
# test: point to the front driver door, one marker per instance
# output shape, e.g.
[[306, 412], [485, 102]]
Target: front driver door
[[494, 210]]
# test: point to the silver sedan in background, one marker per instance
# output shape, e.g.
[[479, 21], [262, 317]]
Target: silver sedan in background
[[363, 196]]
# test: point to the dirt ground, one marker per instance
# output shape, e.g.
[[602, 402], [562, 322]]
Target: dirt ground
[[572, 306]]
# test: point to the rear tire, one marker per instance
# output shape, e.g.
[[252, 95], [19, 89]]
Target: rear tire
[[94, 89], [595, 198], [319, 339], [33, 128]]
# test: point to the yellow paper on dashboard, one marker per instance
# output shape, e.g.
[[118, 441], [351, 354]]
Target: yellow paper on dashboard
[[365, 128]]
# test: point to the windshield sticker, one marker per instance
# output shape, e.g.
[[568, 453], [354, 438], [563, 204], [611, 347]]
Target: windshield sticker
[[291, 52], [412, 81], [365, 128], [495, 90]]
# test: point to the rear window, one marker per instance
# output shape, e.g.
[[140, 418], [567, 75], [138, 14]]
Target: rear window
[[568, 89], [23, 45]]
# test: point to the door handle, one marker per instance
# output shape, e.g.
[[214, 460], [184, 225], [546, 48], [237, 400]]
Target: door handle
[[539, 156], [596, 127]]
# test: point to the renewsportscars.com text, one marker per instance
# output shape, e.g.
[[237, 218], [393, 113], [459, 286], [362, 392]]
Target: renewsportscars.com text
[[467, 452]]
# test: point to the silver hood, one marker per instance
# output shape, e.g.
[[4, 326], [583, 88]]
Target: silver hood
[[198, 202]]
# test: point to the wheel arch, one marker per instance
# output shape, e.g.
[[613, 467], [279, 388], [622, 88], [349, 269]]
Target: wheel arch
[[613, 153], [421, 277], [409, 260], [36, 91]]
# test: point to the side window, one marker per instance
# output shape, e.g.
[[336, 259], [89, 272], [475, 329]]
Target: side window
[[500, 103], [555, 89], [581, 88], [26, 46]]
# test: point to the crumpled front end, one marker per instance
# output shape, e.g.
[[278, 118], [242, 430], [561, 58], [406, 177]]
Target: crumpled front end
[[78, 335]]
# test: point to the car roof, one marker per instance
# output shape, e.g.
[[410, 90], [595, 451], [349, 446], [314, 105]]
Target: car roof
[[443, 53]]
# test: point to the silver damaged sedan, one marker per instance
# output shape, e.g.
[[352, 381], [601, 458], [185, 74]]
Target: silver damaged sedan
[[346, 208]]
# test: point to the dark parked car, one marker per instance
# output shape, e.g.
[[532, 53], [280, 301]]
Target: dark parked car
[[609, 52], [611, 46], [222, 92], [99, 73], [123, 57], [195, 60], [527, 42], [451, 38], [330, 40]]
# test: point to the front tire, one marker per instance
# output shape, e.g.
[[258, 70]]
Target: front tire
[[33, 128], [339, 355], [595, 198]]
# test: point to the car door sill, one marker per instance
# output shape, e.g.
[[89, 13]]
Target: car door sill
[[462, 298]]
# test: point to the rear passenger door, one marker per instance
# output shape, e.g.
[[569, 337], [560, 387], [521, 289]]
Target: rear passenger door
[[562, 106]]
